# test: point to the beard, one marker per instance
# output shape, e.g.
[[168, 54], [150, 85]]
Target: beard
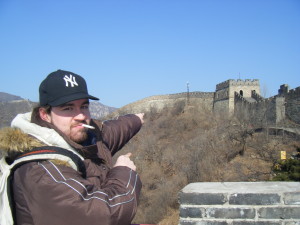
[[79, 136]]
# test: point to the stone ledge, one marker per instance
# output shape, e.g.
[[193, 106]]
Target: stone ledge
[[242, 187], [236, 222], [237, 203]]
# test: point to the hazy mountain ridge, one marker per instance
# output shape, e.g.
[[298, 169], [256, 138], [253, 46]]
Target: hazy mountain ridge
[[99, 110], [9, 109], [5, 97]]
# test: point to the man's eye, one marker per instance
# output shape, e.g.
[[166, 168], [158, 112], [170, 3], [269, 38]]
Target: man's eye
[[85, 106], [67, 109]]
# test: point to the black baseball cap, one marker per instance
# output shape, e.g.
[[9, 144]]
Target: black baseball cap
[[62, 86]]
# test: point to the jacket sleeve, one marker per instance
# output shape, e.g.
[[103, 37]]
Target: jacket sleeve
[[49, 194], [116, 133]]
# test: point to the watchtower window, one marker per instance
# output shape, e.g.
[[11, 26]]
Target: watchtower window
[[241, 92]]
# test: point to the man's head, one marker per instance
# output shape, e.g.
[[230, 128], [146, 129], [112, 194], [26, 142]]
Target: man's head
[[64, 102], [61, 86]]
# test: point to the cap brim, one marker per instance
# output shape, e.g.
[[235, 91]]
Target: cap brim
[[70, 98]]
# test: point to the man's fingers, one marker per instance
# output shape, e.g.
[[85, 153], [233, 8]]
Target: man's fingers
[[124, 160]]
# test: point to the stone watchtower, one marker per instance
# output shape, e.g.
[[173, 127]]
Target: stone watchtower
[[225, 91]]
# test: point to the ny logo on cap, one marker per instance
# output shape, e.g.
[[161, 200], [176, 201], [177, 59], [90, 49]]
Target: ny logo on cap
[[70, 80]]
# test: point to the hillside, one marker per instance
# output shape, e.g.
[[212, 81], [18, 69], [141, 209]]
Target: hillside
[[183, 144]]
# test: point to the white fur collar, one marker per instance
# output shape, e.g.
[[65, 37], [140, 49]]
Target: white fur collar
[[44, 134]]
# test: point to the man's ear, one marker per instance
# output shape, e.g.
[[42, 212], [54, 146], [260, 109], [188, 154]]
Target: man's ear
[[44, 115]]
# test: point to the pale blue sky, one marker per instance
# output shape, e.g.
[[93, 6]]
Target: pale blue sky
[[131, 49]]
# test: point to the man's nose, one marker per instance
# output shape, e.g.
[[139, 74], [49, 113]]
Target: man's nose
[[80, 114]]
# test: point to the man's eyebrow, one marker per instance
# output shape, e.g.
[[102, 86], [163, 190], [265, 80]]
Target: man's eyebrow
[[65, 105]]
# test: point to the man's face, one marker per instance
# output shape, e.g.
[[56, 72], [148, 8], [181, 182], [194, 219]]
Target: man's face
[[69, 117]]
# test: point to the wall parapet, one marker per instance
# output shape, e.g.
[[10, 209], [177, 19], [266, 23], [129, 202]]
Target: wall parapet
[[239, 82], [183, 95], [235, 203], [195, 94], [294, 93], [256, 96]]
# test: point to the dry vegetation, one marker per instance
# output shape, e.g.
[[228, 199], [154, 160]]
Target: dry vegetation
[[184, 145]]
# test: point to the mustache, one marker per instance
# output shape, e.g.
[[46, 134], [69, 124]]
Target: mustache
[[82, 123]]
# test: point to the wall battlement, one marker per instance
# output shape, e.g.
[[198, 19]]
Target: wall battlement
[[239, 82], [240, 98], [294, 93], [292, 105], [256, 96]]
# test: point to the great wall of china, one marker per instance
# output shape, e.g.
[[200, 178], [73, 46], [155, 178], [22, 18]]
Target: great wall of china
[[233, 97]]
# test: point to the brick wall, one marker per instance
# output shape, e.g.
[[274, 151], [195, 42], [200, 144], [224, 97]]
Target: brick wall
[[240, 203], [293, 105]]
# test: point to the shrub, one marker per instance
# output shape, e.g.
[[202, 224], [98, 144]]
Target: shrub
[[287, 170]]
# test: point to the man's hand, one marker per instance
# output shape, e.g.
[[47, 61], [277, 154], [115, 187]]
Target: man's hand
[[141, 116], [124, 160]]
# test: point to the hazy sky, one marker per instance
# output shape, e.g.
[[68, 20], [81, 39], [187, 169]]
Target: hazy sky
[[131, 49]]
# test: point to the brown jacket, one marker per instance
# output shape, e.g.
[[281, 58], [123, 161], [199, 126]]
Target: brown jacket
[[51, 192]]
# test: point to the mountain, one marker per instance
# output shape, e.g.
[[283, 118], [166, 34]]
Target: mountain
[[5, 97], [11, 105], [9, 109], [99, 110]]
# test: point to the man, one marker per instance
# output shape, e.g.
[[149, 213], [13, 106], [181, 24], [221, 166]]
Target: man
[[55, 191]]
